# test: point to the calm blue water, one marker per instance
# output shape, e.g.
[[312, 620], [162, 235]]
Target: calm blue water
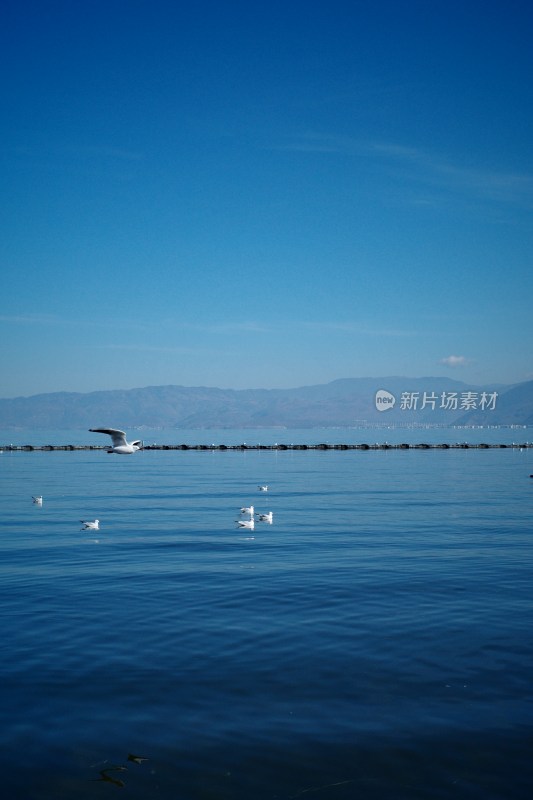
[[375, 641]]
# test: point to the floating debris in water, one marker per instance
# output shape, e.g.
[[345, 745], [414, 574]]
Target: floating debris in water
[[136, 759]]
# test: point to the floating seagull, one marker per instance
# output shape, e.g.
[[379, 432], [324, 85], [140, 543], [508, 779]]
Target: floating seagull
[[38, 500], [266, 517], [120, 445], [263, 488], [249, 510], [90, 526], [246, 523]]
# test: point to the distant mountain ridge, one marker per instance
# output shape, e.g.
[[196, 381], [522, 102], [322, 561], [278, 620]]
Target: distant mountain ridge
[[345, 402]]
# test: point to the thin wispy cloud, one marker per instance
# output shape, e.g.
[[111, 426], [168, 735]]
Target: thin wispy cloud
[[77, 151], [30, 319], [54, 320], [492, 183], [222, 328], [423, 166], [357, 329], [232, 328], [455, 361], [147, 348], [291, 326]]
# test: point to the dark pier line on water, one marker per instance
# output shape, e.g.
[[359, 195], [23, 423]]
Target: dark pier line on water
[[211, 447]]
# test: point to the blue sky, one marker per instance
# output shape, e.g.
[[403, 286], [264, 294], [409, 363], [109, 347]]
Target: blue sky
[[267, 194]]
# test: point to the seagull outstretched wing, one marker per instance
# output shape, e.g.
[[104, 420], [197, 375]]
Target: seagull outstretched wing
[[118, 437]]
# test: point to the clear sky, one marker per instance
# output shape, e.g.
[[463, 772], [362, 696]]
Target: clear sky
[[264, 194]]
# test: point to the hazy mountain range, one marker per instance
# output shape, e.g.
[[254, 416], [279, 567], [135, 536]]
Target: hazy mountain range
[[345, 403]]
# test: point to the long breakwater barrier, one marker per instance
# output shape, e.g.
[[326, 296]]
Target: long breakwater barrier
[[322, 446]]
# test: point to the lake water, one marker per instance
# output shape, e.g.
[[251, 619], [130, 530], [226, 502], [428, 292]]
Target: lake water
[[374, 642]]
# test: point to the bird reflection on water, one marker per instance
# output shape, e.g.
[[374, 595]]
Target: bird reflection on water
[[106, 777]]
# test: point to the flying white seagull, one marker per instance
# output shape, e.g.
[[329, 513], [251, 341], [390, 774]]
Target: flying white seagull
[[91, 526], [120, 445]]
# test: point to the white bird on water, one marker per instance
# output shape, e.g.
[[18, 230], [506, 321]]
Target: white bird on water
[[38, 499], [266, 517], [246, 523], [263, 488], [248, 510], [90, 526], [120, 445]]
